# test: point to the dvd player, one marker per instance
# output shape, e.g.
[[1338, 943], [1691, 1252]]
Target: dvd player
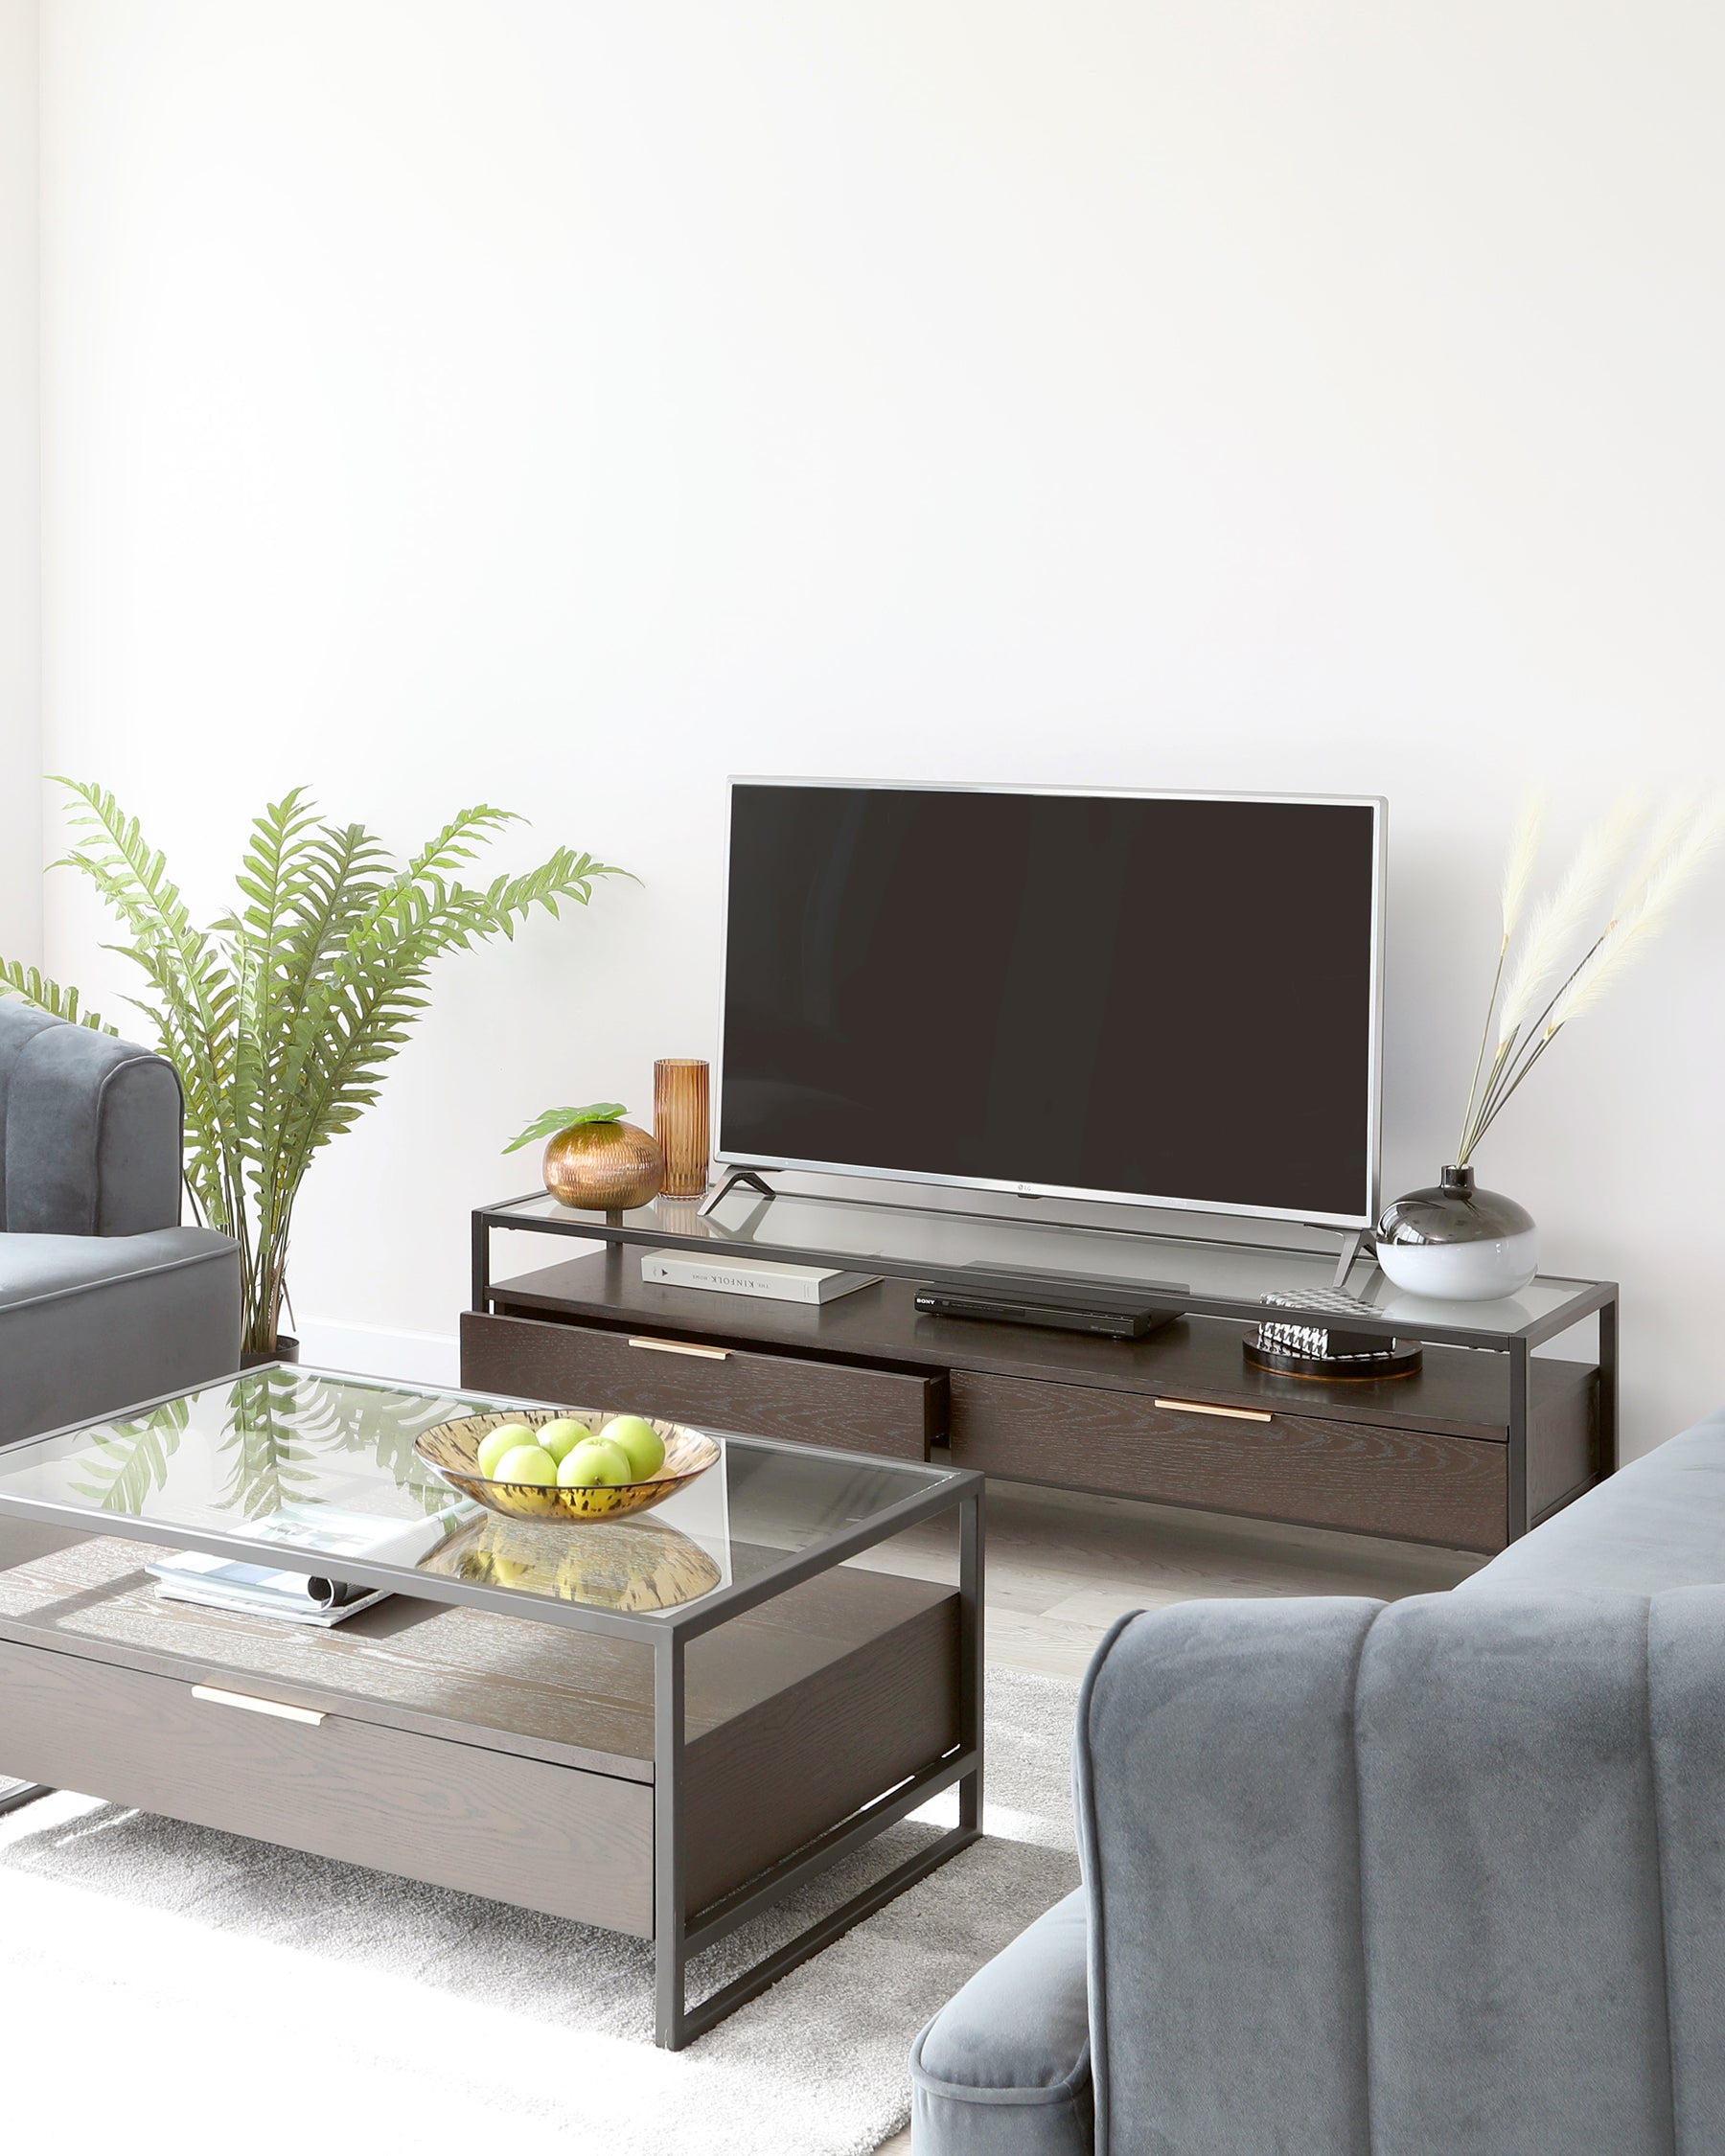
[[1113, 1315]]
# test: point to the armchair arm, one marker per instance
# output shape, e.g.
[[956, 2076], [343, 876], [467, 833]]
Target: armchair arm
[[1003, 2068], [1217, 1817]]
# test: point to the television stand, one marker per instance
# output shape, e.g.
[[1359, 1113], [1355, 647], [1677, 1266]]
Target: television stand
[[1468, 1451], [739, 1178]]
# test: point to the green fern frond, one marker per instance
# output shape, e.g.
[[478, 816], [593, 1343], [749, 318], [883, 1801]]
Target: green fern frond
[[460, 840], [25, 981], [199, 1002]]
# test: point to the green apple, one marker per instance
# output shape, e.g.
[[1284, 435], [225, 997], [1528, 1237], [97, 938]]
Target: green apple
[[506, 1436], [641, 1444], [598, 1462], [561, 1438], [526, 1463]]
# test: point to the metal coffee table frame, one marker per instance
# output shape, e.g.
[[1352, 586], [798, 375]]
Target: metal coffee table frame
[[678, 1938]]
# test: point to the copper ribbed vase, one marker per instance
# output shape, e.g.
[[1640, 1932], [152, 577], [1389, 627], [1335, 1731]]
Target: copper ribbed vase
[[683, 1124], [603, 1167]]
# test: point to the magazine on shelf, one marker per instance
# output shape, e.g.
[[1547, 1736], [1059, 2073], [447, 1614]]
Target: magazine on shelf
[[320, 1598], [218, 1583]]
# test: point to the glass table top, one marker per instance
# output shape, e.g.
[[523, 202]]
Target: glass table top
[[925, 1242], [315, 1472]]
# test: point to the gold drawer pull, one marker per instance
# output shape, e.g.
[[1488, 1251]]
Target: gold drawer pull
[[683, 1347], [1205, 1408], [252, 1705]]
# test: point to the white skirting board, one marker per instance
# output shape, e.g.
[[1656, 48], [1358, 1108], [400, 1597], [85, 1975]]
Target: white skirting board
[[326, 1344]]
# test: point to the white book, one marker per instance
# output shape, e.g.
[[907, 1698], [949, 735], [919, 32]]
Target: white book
[[771, 1278]]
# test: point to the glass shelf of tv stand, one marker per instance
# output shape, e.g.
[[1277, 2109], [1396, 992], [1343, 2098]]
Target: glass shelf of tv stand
[[1203, 1275]]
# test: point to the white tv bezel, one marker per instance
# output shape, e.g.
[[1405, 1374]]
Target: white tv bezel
[[1379, 806]]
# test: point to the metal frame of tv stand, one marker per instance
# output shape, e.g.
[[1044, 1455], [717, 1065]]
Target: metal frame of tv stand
[[1594, 1299]]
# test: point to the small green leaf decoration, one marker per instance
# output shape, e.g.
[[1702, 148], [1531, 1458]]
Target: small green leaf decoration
[[557, 1119], [281, 1015]]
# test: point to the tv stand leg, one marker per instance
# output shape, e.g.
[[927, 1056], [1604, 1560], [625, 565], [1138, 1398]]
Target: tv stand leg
[[739, 1178], [1352, 1244]]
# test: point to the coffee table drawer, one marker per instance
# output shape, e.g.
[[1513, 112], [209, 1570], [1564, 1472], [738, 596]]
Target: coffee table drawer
[[456, 1815], [1413, 1483], [894, 1413]]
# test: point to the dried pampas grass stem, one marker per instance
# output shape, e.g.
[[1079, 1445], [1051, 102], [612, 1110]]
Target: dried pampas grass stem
[[1518, 874], [1518, 869], [1559, 919], [1563, 946]]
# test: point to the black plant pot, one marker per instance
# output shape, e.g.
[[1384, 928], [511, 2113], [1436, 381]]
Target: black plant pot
[[285, 1350]]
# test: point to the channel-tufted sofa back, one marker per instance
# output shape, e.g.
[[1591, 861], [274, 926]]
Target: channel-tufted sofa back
[[1443, 1875]]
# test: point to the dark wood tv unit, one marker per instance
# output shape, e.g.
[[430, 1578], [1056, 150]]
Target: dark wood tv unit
[[1178, 1417]]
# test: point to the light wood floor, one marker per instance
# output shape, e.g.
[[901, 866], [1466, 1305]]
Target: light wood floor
[[1061, 1567]]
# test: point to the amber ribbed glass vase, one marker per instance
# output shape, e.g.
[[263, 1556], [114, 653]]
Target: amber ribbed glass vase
[[682, 1123]]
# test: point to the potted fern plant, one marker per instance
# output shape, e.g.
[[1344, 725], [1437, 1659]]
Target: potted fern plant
[[280, 1015]]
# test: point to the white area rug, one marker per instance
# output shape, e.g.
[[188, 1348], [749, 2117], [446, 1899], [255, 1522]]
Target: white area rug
[[167, 1990]]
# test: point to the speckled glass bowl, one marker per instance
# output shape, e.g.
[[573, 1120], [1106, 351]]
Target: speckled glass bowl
[[452, 1449]]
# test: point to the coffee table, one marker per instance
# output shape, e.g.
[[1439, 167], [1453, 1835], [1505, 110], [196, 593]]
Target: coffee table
[[663, 1726]]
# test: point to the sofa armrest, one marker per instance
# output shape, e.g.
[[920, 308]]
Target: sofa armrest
[[1003, 2068], [90, 1131]]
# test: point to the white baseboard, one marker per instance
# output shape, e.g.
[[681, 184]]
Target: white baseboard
[[375, 1351]]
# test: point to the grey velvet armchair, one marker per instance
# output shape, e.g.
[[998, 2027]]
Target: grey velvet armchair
[[105, 1298], [1444, 1877]]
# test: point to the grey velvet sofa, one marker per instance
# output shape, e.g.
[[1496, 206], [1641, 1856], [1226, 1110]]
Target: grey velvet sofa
[[105, 1297], [1441, 1877]]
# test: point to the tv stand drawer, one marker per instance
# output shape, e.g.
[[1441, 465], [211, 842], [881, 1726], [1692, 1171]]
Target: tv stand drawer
[[860, 1410], [1416, 1484]]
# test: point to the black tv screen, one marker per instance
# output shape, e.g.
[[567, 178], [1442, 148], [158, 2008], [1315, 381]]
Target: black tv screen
[[1165, 997]]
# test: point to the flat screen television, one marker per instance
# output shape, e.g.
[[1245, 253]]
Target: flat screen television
[[1161, 998]]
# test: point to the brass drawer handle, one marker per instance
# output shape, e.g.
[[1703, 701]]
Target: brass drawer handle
[[252, 1705], [1205, 1408], [683, 1347]]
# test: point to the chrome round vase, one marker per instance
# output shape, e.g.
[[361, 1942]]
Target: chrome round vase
[[1454, 1243]]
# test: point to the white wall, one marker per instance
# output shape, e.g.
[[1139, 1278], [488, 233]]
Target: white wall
[[566, 404], [20, 697]]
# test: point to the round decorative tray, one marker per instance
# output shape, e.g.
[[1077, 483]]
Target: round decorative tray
[[452, 1449]]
